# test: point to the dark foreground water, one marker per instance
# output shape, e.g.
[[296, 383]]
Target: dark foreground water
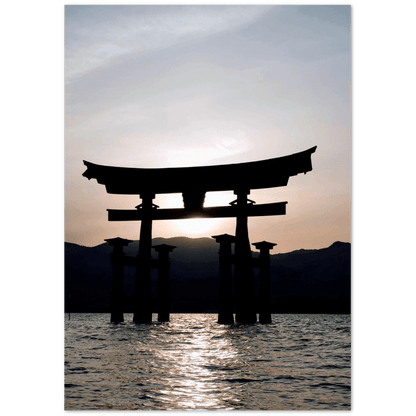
[[298, 362]]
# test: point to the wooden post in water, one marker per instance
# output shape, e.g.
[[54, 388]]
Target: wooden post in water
[[243, 272], [117, 295], [265, 316], [163, 281], [142, 283], [225, 296]]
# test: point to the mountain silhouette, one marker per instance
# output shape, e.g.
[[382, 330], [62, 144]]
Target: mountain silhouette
[[302, 281]]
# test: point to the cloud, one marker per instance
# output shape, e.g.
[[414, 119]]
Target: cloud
[[96, 35]]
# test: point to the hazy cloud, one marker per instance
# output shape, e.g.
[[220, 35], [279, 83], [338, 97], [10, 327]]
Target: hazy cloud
[[95, 35]]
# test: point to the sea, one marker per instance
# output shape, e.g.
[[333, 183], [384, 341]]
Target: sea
[[298, 362]]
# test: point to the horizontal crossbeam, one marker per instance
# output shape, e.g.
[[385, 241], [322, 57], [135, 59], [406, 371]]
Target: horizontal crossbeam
[[268, 173], [277, 208]]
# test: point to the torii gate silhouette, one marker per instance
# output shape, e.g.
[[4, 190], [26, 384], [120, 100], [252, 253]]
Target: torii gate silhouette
[[193, 183]]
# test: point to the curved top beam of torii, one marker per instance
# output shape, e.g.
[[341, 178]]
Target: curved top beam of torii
[[268, 173]]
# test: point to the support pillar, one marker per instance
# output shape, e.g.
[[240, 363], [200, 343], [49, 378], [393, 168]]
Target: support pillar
[[243, 272], [142, 283], [225, 297], [163, 294], [117, 295], [265, 316]]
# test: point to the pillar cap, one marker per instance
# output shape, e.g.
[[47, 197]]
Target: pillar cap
[[164, 247], [224, 238], [118, 241], [264, 245]]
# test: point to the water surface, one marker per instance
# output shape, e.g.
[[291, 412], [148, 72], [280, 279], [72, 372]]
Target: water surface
[[298, 362]]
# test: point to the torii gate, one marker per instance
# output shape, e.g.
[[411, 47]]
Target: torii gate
[[193, 183]]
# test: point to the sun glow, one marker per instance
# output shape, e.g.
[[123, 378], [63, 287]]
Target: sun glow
[[196, 226]]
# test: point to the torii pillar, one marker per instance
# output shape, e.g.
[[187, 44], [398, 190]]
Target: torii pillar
[[243, 272], [163, 281], [265, 316], [142, 283], [117, 296], [225, 297]]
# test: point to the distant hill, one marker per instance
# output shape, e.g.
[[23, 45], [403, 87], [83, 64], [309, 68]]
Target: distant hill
[[303, 281]]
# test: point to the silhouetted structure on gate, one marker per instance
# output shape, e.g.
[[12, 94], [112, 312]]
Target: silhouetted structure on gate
[[193, 183]]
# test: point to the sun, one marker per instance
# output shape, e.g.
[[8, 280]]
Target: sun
[[196, 226]]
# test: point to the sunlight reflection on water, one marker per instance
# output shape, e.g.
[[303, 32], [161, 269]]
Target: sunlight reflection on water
[[297, 362], [192, 381]]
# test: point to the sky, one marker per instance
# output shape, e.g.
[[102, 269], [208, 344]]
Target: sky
[[171, 86]]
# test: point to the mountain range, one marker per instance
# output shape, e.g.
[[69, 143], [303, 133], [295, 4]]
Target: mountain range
[[302, 281]]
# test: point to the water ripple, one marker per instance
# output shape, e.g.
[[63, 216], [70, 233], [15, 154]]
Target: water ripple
[[298, 362]]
